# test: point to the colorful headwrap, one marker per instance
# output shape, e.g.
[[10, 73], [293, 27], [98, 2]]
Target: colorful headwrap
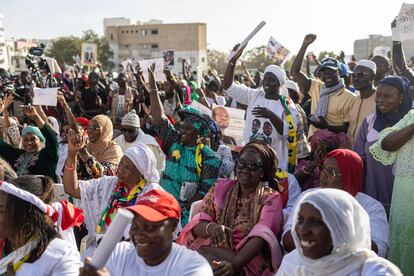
[[335, 139], [215, 130], [197, 119]]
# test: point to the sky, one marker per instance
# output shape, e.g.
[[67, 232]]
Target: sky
[[336, 23]]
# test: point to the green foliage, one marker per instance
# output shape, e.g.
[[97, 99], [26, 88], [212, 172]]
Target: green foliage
[[64, 48], [216, 60]]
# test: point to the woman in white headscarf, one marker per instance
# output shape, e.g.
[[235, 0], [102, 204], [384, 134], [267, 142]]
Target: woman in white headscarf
[[270, 116], [332, 237], [101, 198]]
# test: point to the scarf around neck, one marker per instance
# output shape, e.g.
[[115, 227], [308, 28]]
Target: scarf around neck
[[325, 94]]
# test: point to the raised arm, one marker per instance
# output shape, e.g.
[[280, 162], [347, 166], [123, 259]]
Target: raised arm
[[30, 111], [301, 78], [248, 76], [157, 109], [70, 175], [229, 74], [68, 112]]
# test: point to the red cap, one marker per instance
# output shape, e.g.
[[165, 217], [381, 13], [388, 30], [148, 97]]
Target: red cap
[[156, 205]]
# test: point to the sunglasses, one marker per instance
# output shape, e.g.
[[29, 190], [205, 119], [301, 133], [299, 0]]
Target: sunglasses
[[251, 165], [331, 172], [130, 130]]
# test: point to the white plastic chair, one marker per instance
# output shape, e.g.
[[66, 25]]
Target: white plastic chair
[[195, 208]]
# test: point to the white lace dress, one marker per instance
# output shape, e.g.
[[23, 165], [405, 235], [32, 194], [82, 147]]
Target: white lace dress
[[402, 202]]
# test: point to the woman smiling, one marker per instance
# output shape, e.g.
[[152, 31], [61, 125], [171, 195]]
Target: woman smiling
[[332, 237]]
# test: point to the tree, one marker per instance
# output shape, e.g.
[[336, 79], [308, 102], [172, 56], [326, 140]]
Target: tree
[[216, 60], [65, 48], [257, 58]]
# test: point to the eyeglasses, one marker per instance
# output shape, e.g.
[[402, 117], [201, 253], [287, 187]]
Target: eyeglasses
[[130, 130], [331, 172], [251, 165]]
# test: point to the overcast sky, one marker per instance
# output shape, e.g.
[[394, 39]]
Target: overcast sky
[[337, 23]]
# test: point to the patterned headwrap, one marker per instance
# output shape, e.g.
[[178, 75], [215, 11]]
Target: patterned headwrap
[[197, 119], [215, 130]]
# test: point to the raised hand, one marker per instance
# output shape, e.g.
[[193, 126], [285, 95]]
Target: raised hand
[[61, 99], [263, 112], [151, 77], [309, 39], [29, 110], [238, 52], [76, 141]]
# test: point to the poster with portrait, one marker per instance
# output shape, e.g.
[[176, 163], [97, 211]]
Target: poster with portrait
[[231, 123], [89, 54], [168, 56], [276, 51]]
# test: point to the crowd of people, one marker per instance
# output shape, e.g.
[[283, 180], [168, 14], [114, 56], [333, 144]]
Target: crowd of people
[[321, 185]]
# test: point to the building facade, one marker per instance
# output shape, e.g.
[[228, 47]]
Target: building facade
[[149, 40], [4, 58]]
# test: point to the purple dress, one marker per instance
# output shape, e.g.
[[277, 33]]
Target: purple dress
[[378, 179]]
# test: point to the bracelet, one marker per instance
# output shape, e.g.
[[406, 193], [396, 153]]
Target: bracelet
[[208, 224], [69, 168], [305, 172]]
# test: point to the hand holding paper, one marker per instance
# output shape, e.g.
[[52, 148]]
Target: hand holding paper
[[45, 96]]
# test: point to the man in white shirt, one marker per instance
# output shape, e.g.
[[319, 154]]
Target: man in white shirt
[[152, 250], [133, 134]]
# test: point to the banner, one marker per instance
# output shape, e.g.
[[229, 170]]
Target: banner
[[89, 54], [231, 123], [276, 51], [404, 29]]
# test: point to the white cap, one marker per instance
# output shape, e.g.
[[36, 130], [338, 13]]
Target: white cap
[[368, 64]]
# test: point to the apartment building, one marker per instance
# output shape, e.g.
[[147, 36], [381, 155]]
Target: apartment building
[[150, 39]]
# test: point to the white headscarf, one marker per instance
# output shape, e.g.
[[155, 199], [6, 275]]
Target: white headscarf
[[144, 160], [278, 71], [349, 227]]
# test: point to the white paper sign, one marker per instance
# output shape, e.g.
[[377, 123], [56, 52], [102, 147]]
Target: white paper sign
[[276, 51], [45, 96], [159, 68], [405, 24]]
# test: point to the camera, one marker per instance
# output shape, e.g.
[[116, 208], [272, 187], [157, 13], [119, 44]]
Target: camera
[[36, 62]]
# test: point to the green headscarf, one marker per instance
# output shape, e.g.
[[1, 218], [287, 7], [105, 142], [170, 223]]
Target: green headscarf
[[35, 131]]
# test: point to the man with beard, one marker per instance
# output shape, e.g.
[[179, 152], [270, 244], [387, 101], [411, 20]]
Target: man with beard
[[363, 78], [383, 68], [152, 250], [331, 101]]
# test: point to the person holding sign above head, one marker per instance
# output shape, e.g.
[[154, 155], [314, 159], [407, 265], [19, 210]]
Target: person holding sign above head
[[331, 101], [152, 250], [265, 104]]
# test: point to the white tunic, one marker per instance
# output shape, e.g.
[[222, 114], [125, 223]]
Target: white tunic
[[59, 258], [181, 261]]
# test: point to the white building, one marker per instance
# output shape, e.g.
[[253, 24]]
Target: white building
[[4, 59]]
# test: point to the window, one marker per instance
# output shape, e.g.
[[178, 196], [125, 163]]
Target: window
[[154, 46], [154, 32], [122, 32], [127, 32], [136, 31], [112, 37], [143, 32]]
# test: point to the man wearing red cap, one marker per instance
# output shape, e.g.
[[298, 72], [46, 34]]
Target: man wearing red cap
[[152, 250]]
